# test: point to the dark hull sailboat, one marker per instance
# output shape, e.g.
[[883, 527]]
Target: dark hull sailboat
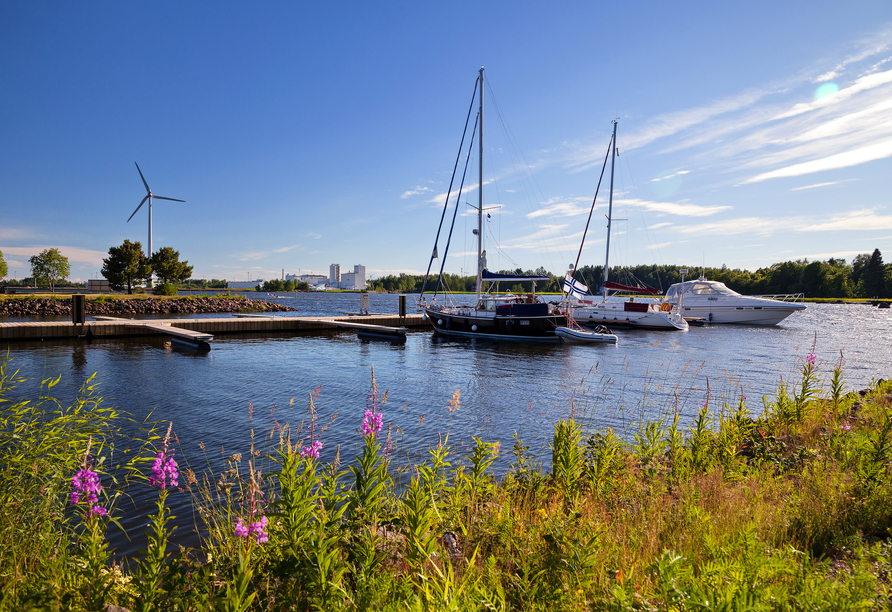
[[493, 316]]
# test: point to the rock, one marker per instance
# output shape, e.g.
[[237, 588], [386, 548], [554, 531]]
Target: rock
[[38, 307]]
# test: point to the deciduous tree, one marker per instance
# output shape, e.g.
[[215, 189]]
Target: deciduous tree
[[3, 269], [168, 268], [126, 265], [48, 267]]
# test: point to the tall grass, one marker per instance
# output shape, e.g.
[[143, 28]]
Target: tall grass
[[790, 509]]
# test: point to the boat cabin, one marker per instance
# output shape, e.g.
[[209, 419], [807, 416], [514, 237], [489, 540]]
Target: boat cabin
[[698, 287]]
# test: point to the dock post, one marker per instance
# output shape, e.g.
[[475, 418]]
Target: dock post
[[402, 306], [78, 309]]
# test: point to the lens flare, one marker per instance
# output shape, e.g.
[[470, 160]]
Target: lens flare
[[666, 183], [827, 89]]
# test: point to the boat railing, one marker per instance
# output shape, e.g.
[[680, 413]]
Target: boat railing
[[783, 297]]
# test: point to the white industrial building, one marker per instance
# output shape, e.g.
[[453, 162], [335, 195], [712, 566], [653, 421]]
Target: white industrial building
[[353, 280], [313, 280]]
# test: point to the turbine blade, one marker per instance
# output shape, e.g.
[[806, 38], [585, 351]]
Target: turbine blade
[[138, 207], [143, 178], [163, 198]]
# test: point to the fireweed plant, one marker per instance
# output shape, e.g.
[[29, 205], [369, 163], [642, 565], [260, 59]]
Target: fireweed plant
[[787, 509]]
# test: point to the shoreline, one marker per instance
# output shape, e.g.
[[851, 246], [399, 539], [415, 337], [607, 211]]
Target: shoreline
[[102, 305]]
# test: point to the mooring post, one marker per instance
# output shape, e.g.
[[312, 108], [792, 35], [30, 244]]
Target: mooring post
[[402, 306], [78, 309]]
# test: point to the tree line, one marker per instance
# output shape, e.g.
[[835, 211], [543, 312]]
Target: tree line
[[865, 277], [125, 267]]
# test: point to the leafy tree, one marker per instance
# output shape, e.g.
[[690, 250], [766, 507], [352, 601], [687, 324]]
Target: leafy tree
[[3, 269], [48, 267], [168, 268], [126, 265], [859, 267]]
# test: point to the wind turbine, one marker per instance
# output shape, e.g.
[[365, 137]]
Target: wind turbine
[[149, 196]]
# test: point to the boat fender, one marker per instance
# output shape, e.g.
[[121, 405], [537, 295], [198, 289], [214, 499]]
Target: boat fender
[[473, 328], [666, 307], [440, 322]]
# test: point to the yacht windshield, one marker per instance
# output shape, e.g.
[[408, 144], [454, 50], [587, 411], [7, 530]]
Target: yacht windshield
[[700, 288]]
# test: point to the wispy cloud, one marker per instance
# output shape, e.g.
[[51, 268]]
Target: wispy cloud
[[563, 207], [16, 233], [669, 176], [840, 160], [74, 254], [859, 220], [863, 84], [816, 185], [415, 191], [683, 209], [256, 255]]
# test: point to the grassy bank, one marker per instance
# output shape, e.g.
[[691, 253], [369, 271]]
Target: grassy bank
[[787, 510]]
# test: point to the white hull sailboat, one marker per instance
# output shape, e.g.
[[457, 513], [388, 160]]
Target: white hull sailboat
[[616, 311]]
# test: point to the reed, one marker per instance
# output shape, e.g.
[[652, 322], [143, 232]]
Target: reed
[[788, 509]]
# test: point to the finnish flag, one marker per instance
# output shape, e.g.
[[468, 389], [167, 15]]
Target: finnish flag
[[574, 287]]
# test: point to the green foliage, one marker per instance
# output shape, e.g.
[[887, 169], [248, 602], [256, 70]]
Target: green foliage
[[168, 268], [165, 289], [741, 512], [49, 267], [566, 459], [125, 266], [284, 285], [3, 269]]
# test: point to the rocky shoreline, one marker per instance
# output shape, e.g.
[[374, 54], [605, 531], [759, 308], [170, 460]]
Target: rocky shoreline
[[39, 307]]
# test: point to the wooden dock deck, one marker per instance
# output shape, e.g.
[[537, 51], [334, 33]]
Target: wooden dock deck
[[200, 329]]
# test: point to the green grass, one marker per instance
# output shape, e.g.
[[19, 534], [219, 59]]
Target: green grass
[[787, 510]]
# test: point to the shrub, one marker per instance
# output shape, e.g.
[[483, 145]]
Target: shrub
[[166, 289]]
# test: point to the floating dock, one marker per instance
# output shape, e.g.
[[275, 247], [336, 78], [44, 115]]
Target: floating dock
[[201, 331]]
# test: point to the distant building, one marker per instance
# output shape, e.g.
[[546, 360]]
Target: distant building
[[353, 280], [100, 285], [244, 284], [313, 280], [334, 275]]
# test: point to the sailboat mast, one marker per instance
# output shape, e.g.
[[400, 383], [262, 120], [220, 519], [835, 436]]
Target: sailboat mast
[[610, 208], [480, 200]]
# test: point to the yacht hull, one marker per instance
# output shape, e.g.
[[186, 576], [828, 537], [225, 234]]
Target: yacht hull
[[470, 323], [740, 315]]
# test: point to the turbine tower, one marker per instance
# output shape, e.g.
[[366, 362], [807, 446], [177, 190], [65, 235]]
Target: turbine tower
[[149, 196]]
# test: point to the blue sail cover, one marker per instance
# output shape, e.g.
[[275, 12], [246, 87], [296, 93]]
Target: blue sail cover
[[493, 276]]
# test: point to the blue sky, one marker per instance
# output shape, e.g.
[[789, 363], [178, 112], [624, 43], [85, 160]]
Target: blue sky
[[305, 134]]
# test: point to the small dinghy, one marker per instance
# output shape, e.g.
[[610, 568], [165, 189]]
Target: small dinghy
[[577, 334]]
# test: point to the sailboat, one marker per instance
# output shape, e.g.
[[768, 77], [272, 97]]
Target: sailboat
[[492, 315], [616, 312]]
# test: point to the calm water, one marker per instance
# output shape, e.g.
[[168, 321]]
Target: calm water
[[504, 387]]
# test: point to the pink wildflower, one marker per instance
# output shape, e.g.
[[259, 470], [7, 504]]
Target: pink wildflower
[[85, 487], [312, 450], [372, 422], [163, 468], [256, 529], [811, 359]]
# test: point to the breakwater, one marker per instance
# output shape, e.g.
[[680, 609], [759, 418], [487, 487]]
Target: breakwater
[[43, 307]]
